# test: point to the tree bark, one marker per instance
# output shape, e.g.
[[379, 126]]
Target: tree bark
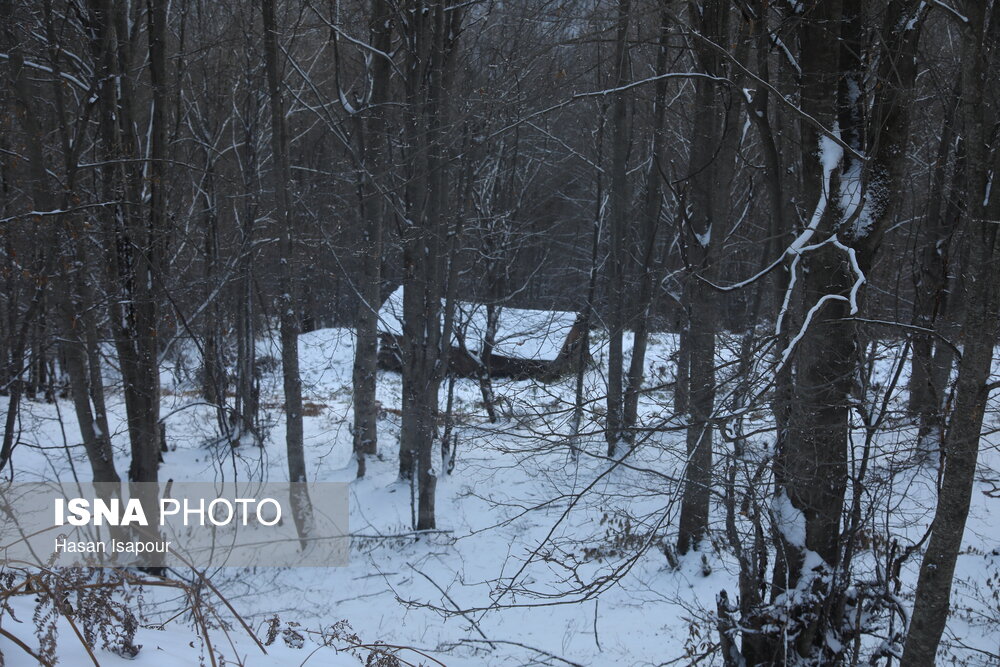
[[431, 37], [711, 171], [24, 103], [372, 135], [615, 433], [979, 331], [652, 207], [287, 317], [932, 359], [811, 463]]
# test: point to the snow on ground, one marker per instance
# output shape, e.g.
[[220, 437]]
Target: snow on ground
[[526, 529]]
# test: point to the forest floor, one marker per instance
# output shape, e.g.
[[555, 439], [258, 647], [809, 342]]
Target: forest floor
[[543, 558]]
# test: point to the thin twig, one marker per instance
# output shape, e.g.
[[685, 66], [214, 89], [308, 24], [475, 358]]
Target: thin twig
[[455, 604]]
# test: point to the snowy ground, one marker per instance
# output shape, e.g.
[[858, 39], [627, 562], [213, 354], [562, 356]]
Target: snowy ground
[[528, 532]]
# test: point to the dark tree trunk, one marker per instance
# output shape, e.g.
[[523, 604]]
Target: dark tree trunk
[[932, 358], [431, 39], [96, 439], [131, 238], [711, 171], [287, 318], [979, 332], [24, 101], [648, 273], [372, 135], [937, 569], [615, 433], [811, 463], [247, 400], [214, 381]]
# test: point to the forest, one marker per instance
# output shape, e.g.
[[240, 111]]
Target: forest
[[632, 332]]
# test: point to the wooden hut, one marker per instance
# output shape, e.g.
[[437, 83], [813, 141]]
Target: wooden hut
[[539, 344]]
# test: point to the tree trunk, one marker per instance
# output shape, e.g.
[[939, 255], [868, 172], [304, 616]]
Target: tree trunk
[[711, 171], [937, 569], [484, 372], [652, 207], [811, 465], [288, 320], [614, 432], [247, 401], [979, 331], [431, 39], [373, 155], [96, 441], [213, 365], [932, 359], [131, 239], [24, 100], [585, 319]]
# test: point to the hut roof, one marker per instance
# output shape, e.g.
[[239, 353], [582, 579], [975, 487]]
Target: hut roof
[[521, 333]]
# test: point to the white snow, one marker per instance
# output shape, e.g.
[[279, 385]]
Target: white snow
[[521, 522], [789, 520]]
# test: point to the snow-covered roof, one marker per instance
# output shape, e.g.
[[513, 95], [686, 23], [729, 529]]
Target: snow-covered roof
[[521, 333]]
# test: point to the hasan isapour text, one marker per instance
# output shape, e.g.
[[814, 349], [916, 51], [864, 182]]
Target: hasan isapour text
[[63, 545]]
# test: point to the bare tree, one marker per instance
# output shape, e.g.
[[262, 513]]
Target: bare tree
[[615, 432], [430, 35], [978, 107], [703, 213], [372, 135], [287, 316]]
